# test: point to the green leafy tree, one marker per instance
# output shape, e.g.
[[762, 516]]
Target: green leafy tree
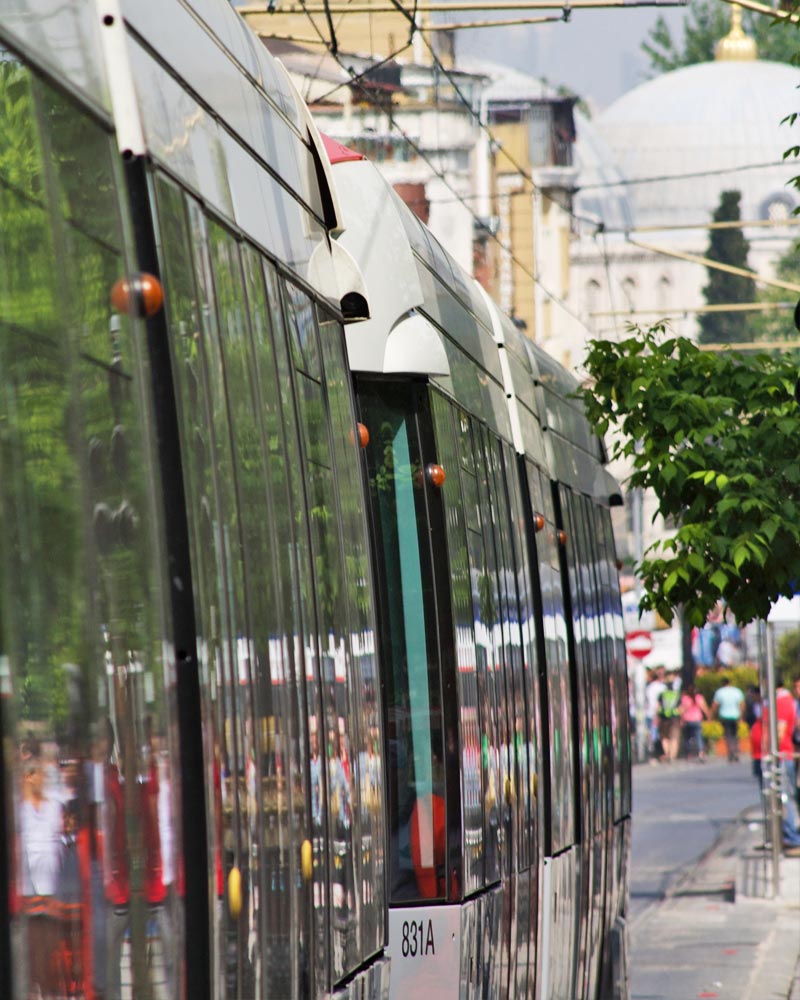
[[778, 324], [714, 436], [706, 22], [728, 246], [741, 677], [787, 658]]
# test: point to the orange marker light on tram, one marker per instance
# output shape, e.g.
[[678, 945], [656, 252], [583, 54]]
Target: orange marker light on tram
[[363, 435], [562, 537], [142, 295], [538, 522], [436, 475]]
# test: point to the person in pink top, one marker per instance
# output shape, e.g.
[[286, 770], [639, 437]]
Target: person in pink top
[[785, 716], [693, 709]]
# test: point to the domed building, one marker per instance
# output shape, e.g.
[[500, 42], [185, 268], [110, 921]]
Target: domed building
[[652, 169], [674, 144], [702, 130]]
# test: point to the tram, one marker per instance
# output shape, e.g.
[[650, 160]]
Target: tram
[[311, 667]]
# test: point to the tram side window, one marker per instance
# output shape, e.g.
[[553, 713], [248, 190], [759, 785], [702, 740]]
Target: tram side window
[[599, 653], [456, 506], [363, 689], [484, 617], [529, 665], [340, 695], [292, 528], [413, 710], [275, 771], [617, 659], [489, 641], [559, 698], [620, 660], [87, 716], [215, 552], [513, 600], [496, 621], [594, 687]]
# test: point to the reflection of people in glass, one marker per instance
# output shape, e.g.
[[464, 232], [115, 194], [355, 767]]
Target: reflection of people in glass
[[341, 805], [117, 880], [155, 892], [427, 836], [70, 885], [40, 835], [315, 766]]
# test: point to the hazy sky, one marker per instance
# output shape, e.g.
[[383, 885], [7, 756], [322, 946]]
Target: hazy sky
[[597, 53]]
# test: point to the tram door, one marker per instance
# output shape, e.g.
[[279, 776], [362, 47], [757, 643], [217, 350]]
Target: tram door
[[459, 746]]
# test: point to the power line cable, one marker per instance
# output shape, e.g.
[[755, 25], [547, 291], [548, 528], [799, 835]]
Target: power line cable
[[355, 77], [629, 181], [458, 197], [518, 167]]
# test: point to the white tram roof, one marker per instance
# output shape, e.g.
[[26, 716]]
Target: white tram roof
[[215, 109], [576, 455], [429, 317]]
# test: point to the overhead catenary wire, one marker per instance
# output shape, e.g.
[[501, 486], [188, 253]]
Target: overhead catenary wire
[[458, 197], [686, 310], [717, 265], [466, 25], [688, 175], [397, 6], [301, 7], [525, 174], [356, 77]]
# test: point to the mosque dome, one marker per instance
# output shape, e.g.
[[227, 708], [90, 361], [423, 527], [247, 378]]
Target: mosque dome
[[695, 132], [602, 196]]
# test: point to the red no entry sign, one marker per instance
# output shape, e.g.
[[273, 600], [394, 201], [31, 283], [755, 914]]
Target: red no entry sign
[[639, 644]]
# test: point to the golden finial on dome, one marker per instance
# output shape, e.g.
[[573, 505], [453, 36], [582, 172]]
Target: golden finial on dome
[[736, 44]]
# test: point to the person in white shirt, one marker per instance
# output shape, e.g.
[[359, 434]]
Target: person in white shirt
[[651, 695], [41, 826]]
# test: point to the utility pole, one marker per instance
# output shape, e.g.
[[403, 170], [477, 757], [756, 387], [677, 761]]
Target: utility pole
[[774, 773]]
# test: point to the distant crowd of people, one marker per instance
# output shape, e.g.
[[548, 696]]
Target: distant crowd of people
[[675, 716]]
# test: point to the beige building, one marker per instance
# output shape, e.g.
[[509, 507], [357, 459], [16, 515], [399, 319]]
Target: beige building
[[497, 198]]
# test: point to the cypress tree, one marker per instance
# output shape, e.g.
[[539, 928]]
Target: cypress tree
[[728, 246]]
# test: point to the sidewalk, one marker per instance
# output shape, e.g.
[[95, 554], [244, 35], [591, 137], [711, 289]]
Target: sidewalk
[[717, 934]]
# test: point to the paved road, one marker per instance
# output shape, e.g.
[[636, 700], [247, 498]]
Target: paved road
[[720, 932], [678, 812]]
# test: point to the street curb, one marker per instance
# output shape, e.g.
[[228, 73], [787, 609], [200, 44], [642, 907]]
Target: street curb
[[687, 876]]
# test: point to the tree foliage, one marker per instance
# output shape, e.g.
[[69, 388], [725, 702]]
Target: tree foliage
[[787, 658], [777, 324], [714, 436], [706, 22], [728, 246]]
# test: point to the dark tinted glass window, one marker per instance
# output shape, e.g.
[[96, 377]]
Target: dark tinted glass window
[[87, 717], [415, 762], [472, 773], [559, 697], [362, 700]]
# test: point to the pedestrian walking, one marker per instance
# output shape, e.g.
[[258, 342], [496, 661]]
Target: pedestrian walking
[[786, 716], [729, 705], [693, 710], [652, 693], [751, 712], [756, 752], [669, 716]]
